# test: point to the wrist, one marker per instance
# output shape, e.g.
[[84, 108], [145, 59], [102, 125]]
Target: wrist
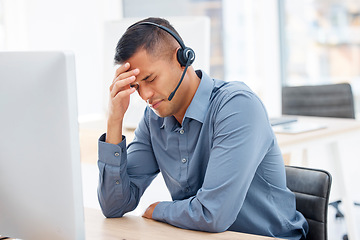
[[114, 132]]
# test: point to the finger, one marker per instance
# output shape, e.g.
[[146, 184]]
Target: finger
[[124, 93], [128, 76], [121, 85], [125, 75], [121, 69], [123, 81], [146, 213]]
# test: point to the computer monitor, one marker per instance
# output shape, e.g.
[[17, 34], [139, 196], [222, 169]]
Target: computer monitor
[[40, 171]]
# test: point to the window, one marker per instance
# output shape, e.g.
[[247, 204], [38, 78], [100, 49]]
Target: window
[[321, 42]]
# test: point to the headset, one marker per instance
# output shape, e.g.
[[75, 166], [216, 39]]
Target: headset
[[184, 55]]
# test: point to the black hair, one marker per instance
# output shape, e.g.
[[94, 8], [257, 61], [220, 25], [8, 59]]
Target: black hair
[[151, 38]]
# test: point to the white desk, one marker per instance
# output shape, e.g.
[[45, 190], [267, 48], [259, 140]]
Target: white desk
[[341, 139]]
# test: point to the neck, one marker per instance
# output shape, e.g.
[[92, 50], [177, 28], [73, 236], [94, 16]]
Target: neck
[[192, 83]]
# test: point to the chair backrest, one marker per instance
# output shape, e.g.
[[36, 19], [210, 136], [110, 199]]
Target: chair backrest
[[312, 190], [334, 100]]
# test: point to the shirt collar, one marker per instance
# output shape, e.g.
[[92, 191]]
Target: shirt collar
[[169, 123], [199, 105]]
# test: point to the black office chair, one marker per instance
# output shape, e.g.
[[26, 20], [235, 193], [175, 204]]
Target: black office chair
[[312, 190], [333, 100]]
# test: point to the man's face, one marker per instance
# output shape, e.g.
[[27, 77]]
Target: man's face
[[158, 77]]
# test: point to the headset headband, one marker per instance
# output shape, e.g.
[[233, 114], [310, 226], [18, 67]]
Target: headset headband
[[177, 38]]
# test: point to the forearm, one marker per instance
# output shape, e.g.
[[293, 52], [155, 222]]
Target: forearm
[[124, 173], [115, 196], [114, 190], [190, 214], [114, 132]]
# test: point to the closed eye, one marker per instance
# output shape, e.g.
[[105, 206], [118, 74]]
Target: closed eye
[[152, 80], [148, 77]]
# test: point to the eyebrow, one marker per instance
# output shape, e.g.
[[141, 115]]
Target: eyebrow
[[145, 78]]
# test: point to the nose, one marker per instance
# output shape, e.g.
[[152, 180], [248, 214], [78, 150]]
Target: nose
[[145, 92]]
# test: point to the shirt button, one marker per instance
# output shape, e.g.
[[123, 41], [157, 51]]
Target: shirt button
[[187, 189], [117, 154], [183, 160], [117, 182], [182, 131]]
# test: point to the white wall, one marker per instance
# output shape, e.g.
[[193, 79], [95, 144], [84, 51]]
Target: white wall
[[63, 25], [251, 47]]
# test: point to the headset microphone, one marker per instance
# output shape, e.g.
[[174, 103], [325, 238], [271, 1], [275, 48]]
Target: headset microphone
[[181, 79], [184, 55]]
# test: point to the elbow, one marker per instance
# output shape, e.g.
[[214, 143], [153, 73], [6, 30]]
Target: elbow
[[215, 228], [213, 224], [215, 221], [111, 213], [109, 208], [220, 228]]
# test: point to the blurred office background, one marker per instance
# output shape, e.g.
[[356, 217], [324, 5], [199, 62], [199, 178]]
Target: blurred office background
[[244, 39], [265, 43], [320, 43]]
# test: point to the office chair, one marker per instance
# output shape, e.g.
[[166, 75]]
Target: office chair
[[333, 100], [312, 190]]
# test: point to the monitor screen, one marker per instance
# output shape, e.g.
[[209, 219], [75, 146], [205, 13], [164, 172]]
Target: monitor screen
[[40, 171]]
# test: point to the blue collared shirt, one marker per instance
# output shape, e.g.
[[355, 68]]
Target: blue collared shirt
[[222, 166]]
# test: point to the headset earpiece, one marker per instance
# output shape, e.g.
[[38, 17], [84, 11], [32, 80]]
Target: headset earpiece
[[183, 55]]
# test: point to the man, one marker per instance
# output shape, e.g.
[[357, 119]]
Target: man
[[212, 142]]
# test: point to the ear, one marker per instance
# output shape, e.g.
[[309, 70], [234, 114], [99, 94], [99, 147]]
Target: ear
[[176, 57]]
